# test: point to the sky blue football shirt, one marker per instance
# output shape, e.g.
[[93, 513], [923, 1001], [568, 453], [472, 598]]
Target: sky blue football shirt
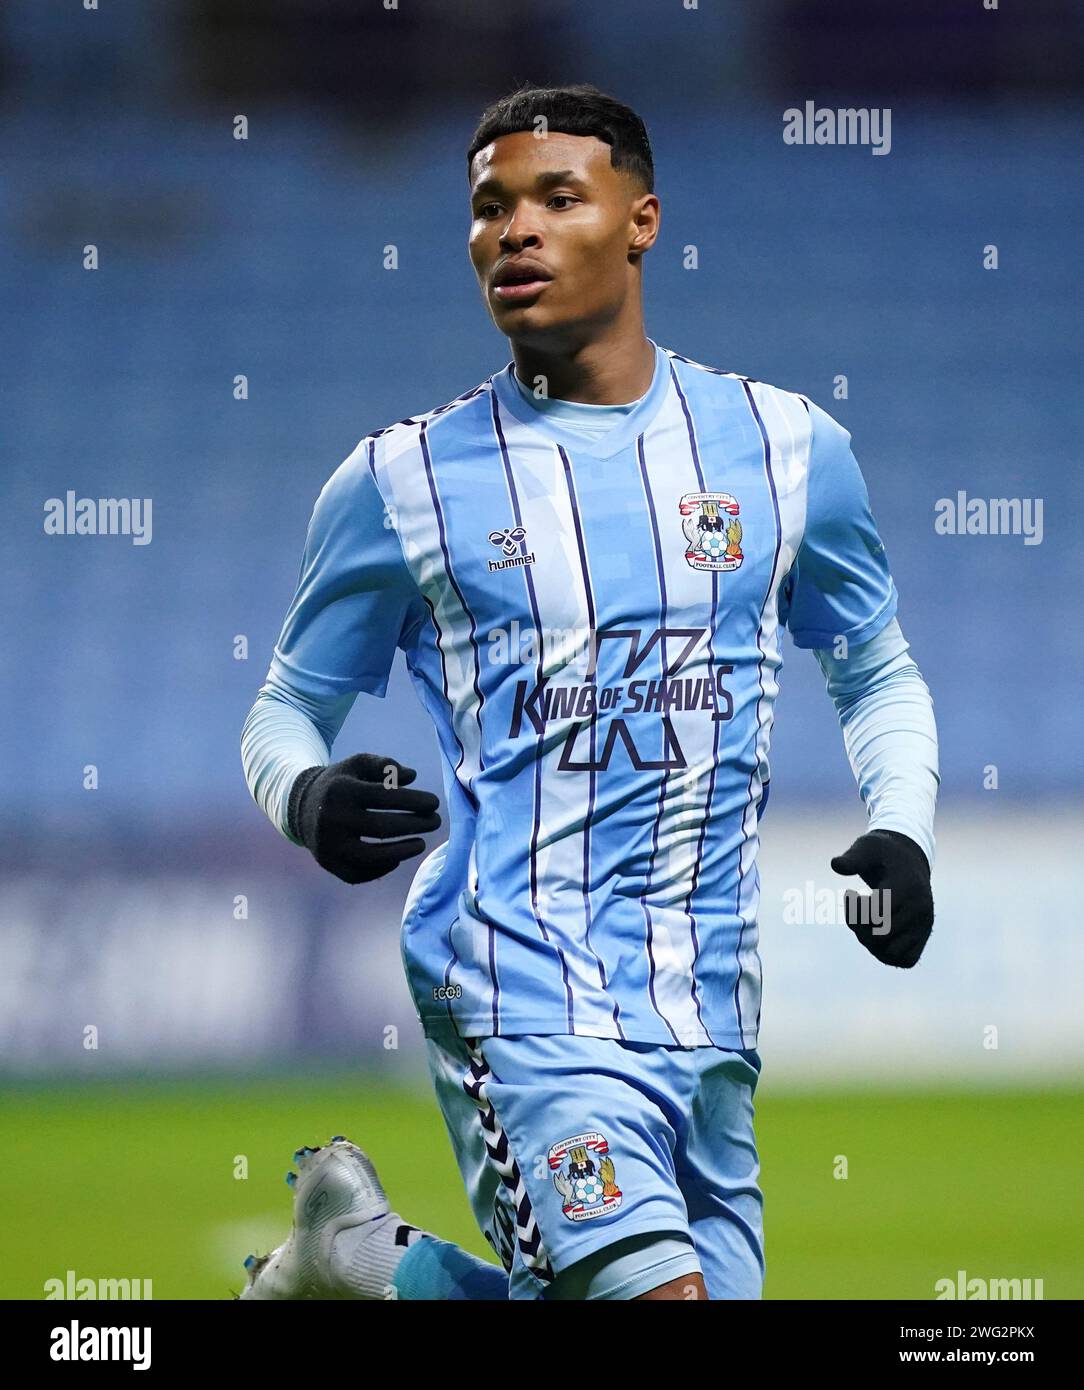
[[595, 628]]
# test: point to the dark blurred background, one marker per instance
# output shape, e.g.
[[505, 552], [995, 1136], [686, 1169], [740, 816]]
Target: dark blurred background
[[264, 257]]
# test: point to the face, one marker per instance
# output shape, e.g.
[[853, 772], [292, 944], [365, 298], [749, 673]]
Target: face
[[555, 234]]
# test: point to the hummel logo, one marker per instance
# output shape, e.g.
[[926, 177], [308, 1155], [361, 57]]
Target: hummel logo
[[513, 542], [509, 538]]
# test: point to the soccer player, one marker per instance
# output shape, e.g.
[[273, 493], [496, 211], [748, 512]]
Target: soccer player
[[588, 561]]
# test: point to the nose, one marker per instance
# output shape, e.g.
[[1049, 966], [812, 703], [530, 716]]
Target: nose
[[520, 233]]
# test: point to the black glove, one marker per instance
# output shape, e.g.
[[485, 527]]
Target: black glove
[[887, 860], [330, 807]]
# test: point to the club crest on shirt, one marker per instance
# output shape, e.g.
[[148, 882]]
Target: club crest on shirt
[[712, 530], [583, 1174]]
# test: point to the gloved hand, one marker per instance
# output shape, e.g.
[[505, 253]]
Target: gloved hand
[[887, 860], [331, 807]]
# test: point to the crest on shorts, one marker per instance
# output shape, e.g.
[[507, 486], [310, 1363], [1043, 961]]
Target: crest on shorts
[[583, 1173], [712, 530]]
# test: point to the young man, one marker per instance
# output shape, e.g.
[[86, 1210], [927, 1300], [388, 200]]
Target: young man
[[588, 561]]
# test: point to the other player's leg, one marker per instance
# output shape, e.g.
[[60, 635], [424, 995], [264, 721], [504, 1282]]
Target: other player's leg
[[347, 1243]]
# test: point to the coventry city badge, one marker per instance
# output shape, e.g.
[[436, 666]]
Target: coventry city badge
[[712, 530], [583, 1173]]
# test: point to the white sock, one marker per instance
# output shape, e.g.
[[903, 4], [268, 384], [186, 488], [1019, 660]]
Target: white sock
[[364, 1258]]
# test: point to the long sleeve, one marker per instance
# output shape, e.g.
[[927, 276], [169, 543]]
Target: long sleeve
[[886, 714], [282, 736], [355, 602]]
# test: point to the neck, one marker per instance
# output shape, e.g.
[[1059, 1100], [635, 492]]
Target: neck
[[613, 369]]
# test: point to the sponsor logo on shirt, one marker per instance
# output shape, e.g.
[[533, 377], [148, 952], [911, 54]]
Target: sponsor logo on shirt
[[591, 741]]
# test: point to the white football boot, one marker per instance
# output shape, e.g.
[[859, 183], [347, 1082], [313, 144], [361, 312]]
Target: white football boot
[[336, 1190]]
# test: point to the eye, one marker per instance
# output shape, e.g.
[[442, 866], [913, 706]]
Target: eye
[[486, 208], [563, 198]]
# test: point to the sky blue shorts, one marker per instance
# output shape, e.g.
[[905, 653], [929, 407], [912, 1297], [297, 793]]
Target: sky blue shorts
[[600, 1169]]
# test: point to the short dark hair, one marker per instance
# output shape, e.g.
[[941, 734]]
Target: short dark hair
[[575, 110]]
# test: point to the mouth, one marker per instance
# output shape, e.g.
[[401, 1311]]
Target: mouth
[[513, 283]]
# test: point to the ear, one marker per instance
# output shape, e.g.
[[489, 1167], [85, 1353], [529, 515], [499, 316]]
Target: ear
[[645, 218]]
